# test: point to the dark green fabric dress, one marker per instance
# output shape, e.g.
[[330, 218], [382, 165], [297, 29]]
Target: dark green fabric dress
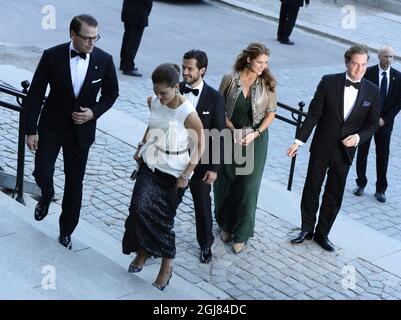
[[236, 196]]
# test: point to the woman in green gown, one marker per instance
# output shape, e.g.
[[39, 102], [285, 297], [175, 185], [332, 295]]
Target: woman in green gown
[[250, 106]]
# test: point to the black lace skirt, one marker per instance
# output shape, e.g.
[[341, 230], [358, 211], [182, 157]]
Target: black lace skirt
[[153, 207]]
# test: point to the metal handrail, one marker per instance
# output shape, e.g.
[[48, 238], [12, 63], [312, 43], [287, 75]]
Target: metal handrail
[[20, 98], [296, 115]]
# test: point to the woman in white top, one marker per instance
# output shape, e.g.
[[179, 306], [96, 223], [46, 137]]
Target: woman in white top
[[166, 166]]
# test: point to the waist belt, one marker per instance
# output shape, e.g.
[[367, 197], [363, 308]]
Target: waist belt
[[171, 152]]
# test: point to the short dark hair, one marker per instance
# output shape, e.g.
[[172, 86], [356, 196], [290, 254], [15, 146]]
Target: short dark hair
[[77, 21], [356, 49], [166, 73], [200, 57]]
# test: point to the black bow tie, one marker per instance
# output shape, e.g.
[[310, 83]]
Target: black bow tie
[[75, 53], [186, 89], [348, 83]]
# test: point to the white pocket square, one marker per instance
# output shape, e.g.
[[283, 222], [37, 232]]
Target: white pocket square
[[205, 112], [94, 81]]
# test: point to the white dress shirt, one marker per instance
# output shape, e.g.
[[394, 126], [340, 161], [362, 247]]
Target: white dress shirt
[[191, 97], [350, 94], [381, 77], [78, 67]]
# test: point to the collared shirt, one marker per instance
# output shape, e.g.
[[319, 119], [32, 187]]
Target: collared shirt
[[191, 97], [78, 67], [381, 76], [350, 94]]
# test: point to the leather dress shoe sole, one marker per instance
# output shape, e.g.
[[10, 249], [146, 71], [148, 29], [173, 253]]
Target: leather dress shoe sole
[[302, 236], [288, 42], [205, 255], [65, 242], [41, 212], [324, 243], [42, 209], [380, 197], [132, 73], [358, 191]]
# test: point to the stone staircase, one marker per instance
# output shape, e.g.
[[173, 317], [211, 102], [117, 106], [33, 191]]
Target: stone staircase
[[35, 266]]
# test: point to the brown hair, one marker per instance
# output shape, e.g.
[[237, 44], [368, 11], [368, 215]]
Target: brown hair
[[252, 51], [166, 73], [356, 49], [77, 21]]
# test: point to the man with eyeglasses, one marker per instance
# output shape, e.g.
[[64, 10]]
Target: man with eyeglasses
[[76, 71], [135, 15]]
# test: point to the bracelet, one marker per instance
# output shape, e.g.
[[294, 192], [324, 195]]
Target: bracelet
[[185, 176], [258, 131]]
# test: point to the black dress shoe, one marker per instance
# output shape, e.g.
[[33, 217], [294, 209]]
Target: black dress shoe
[[302, 236], [380, 196], [133, 73], [65, 241], [358, 191], [135, 69], [42, 208], [289, 42], [205, 255], [324, 242]]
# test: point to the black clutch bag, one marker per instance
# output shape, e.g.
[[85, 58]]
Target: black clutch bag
[[134, 173]]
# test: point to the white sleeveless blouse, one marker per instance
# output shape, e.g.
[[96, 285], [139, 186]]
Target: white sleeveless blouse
[[167, 133]]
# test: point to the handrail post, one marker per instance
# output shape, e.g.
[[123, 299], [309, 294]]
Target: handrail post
[[21, 148], [292, 168]]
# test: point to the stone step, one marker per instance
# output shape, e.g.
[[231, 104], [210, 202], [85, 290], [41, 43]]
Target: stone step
[[94, 269]]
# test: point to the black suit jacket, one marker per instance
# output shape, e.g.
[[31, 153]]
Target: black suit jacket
[[299, 3], [55, 116], [136, 12], [211, 112], [326, 112], [392, 103]]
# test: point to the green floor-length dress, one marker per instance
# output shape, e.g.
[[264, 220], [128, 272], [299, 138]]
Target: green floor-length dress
[[236, 196]]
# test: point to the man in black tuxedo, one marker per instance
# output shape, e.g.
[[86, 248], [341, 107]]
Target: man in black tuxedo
[[135, 15], [75, 71], [389, 81], [209, 104], [345, 111], [288, 16]]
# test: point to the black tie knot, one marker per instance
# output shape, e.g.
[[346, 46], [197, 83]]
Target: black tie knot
[[186, 89], [76, 53], [349, 83]]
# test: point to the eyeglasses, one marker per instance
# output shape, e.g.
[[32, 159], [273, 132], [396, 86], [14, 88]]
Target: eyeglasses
[[89, 39]]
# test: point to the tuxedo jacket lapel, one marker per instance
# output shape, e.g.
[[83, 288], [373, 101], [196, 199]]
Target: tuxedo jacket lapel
[[203, 98], [340, 95], [90, 73], [64, 61], [391, 87], [359, 98]]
